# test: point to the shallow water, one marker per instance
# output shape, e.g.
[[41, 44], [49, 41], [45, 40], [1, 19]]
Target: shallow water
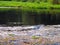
[[31, 35]]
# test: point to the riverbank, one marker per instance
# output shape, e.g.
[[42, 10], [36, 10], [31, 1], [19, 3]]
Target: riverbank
[[41, 5]]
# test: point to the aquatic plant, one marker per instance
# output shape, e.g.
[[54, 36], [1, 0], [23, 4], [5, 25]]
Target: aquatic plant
[[35, 37], [11, 35]]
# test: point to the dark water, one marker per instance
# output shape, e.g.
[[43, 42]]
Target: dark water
[[29, 17]]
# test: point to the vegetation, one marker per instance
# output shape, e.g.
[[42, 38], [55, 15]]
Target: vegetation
[[35, 37], [31, 5], [29, 10]]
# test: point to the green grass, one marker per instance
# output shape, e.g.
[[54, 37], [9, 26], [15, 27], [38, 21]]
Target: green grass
[[34, 5], [30, 6], [24, 4]]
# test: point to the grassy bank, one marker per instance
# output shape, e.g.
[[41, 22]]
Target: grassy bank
[[40, 5], [30, 6], [27, 12]]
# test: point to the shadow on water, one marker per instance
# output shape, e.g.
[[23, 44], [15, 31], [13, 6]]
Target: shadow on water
[[47, 18], [29, 17]]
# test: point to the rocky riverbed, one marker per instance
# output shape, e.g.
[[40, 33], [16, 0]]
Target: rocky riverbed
[[30, 35]]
